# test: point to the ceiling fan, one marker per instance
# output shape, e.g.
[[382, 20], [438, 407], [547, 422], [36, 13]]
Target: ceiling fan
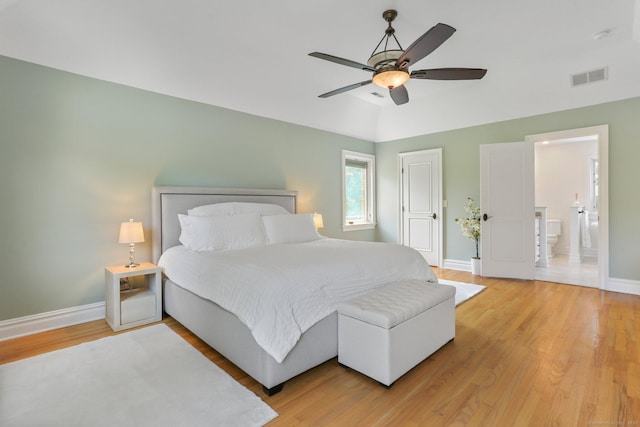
[[390, 67]]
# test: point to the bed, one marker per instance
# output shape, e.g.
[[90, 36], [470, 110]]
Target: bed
[[247, 339]]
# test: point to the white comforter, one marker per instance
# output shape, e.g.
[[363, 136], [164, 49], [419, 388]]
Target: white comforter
[[280, 291]]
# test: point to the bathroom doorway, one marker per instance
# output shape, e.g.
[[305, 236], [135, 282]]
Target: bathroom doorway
[[570, 189]]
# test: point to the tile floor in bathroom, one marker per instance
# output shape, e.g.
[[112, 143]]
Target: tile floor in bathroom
[[562, 271]]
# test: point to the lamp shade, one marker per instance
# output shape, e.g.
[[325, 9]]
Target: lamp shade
[[391, 78], [317, 220], [131, 232]]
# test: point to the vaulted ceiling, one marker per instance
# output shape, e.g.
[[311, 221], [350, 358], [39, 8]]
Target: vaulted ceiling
[[252, 56]]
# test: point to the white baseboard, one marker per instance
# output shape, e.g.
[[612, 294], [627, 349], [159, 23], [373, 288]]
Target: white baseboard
[[456, 264], [14, 328], [586, 252], [612, 284], [21, 326], [623, 285]]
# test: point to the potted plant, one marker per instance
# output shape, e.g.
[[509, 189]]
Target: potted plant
[[471, 228]]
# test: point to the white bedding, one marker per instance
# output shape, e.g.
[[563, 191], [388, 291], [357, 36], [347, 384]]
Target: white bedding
[[279, 291]]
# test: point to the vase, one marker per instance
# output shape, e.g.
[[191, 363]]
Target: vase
[[475, 266]]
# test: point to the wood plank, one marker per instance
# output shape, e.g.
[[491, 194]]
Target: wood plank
[[525, 353]]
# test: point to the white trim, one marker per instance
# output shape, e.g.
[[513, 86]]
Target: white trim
[[27, 325], [455, 264], [593, 207], [623, 285], [611, 284], [354, 227], [370, 159], [602, 132]]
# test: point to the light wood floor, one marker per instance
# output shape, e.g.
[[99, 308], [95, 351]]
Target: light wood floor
[[525, 354]]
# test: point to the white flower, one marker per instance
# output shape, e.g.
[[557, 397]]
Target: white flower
[[471, 225]]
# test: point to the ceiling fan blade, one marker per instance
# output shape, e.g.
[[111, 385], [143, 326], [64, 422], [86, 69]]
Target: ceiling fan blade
[[449, 74], [344, 89], [426, 44], [399, 95], [342, 61]]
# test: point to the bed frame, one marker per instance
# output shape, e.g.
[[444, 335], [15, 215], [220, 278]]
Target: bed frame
[[216, 326]]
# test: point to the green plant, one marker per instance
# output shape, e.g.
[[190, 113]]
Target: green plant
[[471, 225]]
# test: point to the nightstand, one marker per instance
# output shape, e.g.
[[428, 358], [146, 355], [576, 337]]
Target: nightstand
[[133, 295]]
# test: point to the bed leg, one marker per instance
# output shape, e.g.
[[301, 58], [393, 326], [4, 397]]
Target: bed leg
[[273, 390]]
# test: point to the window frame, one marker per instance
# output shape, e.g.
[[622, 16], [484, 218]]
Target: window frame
[[370, 160]]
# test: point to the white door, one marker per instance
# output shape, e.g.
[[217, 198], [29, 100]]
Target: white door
[[507, 198], [420, 225]]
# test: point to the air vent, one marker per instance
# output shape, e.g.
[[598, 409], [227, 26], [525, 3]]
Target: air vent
[[597, 75], [589, 77]]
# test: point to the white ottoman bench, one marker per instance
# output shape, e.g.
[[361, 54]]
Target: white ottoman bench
[[387, 332]]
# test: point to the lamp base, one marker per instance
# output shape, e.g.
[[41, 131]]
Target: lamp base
[[132, 263]]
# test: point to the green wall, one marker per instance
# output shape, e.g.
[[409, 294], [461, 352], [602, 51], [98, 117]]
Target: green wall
[[461, 172], [79, 155]]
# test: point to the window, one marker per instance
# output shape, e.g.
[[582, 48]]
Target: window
[[358, 191]]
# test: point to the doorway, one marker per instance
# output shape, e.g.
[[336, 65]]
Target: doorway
[[571, 171]]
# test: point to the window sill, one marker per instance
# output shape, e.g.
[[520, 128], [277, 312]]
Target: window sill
[[354, 227]]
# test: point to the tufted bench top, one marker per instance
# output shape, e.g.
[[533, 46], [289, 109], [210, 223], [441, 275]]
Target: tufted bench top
[[395, 303]]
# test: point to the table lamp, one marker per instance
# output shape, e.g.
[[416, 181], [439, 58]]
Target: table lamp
[[317, 220], [131, 233]]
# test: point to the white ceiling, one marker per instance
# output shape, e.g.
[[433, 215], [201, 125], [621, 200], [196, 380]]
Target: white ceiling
[[251, 56]]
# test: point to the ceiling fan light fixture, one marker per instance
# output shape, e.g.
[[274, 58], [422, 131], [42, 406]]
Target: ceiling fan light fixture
[[390, 79], [390, 64]]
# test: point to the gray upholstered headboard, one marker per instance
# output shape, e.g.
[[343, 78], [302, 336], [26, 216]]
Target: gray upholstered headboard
[[168, 202]]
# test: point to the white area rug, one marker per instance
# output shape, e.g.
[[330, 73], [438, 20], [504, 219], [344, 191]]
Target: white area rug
[[146, 377], [464, 291]]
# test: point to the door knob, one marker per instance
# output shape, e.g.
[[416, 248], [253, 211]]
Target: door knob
[[485, 217], [434, 216]]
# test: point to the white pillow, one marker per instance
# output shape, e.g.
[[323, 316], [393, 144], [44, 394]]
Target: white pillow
[[214, 233], [235, 208], [290, 228]]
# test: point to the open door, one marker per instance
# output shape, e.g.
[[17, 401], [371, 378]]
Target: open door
[[507, 203]]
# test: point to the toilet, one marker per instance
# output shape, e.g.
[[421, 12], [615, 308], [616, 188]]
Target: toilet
[[554, 229]]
